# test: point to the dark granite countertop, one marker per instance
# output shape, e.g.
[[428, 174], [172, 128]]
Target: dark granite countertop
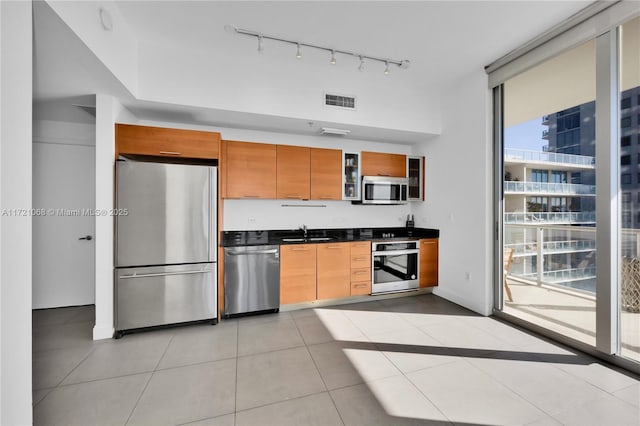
[[296, 236]]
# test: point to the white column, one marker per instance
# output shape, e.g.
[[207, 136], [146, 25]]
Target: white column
[[105, 160], [607, 175], [15, 193]]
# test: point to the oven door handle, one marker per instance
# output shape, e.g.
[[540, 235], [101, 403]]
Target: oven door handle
[[394, 252]]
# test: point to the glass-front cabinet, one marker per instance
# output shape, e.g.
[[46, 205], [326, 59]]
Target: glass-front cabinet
[[351, 175], [415, 175]]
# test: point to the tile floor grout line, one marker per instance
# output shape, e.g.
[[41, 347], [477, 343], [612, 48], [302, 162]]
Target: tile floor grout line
[[281, 402], [428, 399], [149, 379], [60, 383], [319, 374]]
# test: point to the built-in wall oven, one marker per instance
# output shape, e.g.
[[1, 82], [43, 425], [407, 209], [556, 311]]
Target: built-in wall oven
[[394, 266]]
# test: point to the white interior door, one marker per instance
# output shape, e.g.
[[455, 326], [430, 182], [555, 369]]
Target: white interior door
[[63, 262]]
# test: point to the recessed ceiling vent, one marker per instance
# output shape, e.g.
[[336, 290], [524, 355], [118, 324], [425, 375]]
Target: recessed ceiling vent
[[339, 101]]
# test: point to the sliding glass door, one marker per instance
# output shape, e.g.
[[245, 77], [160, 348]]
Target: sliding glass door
[[549, 193], [568, 133]]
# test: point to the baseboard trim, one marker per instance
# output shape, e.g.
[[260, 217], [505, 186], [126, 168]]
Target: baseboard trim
[[101, 333]]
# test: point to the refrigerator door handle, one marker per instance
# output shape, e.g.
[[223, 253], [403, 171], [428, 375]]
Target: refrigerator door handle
[[247, 253], [163, 274]]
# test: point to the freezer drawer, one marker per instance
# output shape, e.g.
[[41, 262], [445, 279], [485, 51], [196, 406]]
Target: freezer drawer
[[251, 279], [163, 295]]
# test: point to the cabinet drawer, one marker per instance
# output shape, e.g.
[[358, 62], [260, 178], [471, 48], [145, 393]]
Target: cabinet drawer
[[361, 260], [361, 248], [361, 274], [361, 288]]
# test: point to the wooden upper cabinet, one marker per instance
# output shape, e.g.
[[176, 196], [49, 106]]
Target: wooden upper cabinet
[[293, 171], [381, 164], [326, 174], [163, 142], [297, 273], [250, 170], [428, 262], [334, 270]]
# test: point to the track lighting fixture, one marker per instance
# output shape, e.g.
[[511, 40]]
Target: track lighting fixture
[[403, 64], [260, 47]]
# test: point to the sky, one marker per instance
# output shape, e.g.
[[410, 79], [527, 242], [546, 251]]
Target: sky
[[527, 135]]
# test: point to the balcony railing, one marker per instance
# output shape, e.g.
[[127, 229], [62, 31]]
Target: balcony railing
[[548, 188], [568, 218], [545, 134], [552, 247], [545, 119], [524, 156], [565, 275], [561, 255]]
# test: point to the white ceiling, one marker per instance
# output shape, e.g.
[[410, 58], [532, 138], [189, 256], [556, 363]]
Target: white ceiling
[[444, 40]]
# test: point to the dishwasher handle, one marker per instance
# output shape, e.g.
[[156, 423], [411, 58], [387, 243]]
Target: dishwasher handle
[[247, 253]]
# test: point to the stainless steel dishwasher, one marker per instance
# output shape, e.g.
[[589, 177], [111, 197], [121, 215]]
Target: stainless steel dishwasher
[[251, 279]]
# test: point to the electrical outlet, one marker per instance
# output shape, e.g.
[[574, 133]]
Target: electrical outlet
[[251, 220]]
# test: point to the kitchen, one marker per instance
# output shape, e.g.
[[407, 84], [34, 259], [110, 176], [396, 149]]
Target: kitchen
[[249, 275]]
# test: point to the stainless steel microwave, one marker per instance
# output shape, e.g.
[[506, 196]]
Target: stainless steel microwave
[[384, 190]]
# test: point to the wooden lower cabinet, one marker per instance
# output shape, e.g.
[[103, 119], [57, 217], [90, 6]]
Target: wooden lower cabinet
[[297, 273], [333, 270], [428, 262], [360, 268]]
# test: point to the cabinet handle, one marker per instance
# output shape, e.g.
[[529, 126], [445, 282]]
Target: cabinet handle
[[428, 242], [170, 153], [360, 285], [360, 258], [300, 249], [250, 196], [326, 198], [380, 174], [360, 272], [334, 247], [294, 196]]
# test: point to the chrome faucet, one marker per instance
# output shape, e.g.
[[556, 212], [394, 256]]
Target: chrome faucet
[[303, 228]]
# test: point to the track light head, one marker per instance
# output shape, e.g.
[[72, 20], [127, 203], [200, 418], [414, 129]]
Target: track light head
[[386, 70], [361, 66], [333, 57], [298, 52], [260, 46]]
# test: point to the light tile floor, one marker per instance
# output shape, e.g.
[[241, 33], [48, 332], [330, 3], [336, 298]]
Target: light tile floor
[[411, 360], [569, 313]]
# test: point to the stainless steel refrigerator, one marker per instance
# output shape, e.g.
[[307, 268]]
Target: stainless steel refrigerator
[[165, 244]]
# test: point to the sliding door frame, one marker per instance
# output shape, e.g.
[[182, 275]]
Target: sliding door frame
[[607, 345]]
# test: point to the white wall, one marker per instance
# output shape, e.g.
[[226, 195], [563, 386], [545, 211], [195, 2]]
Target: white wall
[[459, 196], [108, 112], [15, 231], [117, 48], [265, 85]]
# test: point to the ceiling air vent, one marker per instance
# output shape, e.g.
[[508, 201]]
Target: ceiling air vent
[[339, 101]]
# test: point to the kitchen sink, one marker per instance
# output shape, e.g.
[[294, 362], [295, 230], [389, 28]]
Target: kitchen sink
[[302, 240]]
